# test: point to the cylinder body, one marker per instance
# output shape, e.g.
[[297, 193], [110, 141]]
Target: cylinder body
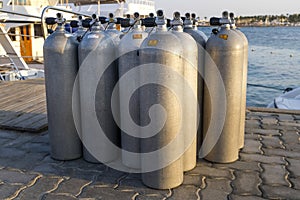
[[244, 88], [190, 65], [128, 60], [97, 78], [226, 49], [201, 40], [163, 48], [61, 67]]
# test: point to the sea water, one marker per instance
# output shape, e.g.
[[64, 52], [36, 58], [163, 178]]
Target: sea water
[[274, 62]]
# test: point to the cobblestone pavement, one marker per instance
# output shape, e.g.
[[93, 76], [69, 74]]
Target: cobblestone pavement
[[268, 168]]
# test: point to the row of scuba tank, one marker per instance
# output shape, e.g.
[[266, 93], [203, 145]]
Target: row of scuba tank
[[153, 98]]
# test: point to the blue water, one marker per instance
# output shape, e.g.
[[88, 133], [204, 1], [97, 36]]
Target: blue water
[[274, 61]]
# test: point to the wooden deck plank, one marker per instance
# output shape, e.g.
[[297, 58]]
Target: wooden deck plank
[[12, 98], [7, 93], [23, 105]]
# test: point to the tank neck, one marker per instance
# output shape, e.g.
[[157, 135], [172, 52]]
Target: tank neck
[[225, 27], [137, 27], [178, 28], [111, 26], [97, 27], [162, 28], [60, 28]]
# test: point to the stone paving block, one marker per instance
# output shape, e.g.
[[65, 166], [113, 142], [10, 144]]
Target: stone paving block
[[41, 138], [4, 141], [195, 180], [285, 118], [11, 153], [7, 190], [252, 146], [290, 137], [240, 165], [281, 152], [262, 158], [252, 136], [9, 134], [252, 115], [202, 162], [72, 186], [110, 180], [272, 142], [14, 163], [282, 192], [49, 159], [252, 123], [21, 140], [106, 193], [216, 189], [14, 176], [35, 148], [211, 172], [271, 127], [185, 192], [59, 197], [274, 175], [143, 191], [27, 162], [292, 147], [47, 168], [42, 186], [292, 124], [266, 132], [294, 167], [269, 121], [246, 183], [82, 164], [263, 114], [238, 197], [296, 183], [77, 173]]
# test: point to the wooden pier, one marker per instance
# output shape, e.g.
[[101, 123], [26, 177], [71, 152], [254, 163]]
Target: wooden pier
[[23, 105]]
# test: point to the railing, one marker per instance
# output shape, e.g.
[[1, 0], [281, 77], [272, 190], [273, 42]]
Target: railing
[[44, 27]]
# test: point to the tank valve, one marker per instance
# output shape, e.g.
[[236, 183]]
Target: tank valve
[[160, 20], [60, 19]]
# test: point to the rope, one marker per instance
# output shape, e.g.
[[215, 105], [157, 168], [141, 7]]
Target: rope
[[268, 87]]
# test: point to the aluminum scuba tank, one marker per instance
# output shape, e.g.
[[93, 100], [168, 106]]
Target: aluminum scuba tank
[[128, 60], [189, 28], [61, 67], [164, 168], [111, 29], [244, 84], [190, 107], [96, 83], [226, 48], [81, 31], [201, 40]]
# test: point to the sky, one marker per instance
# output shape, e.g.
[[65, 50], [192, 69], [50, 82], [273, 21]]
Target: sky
[[209, 8]]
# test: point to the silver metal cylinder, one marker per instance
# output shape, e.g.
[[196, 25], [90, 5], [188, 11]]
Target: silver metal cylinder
[[201, 40], [244, 88], [61, 67], [97, 79], [190, 65], [164, 48], [226, 49], [128, 60]]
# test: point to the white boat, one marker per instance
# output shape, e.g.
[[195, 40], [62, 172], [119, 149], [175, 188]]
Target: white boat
[[22, 35], [289, 100]]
